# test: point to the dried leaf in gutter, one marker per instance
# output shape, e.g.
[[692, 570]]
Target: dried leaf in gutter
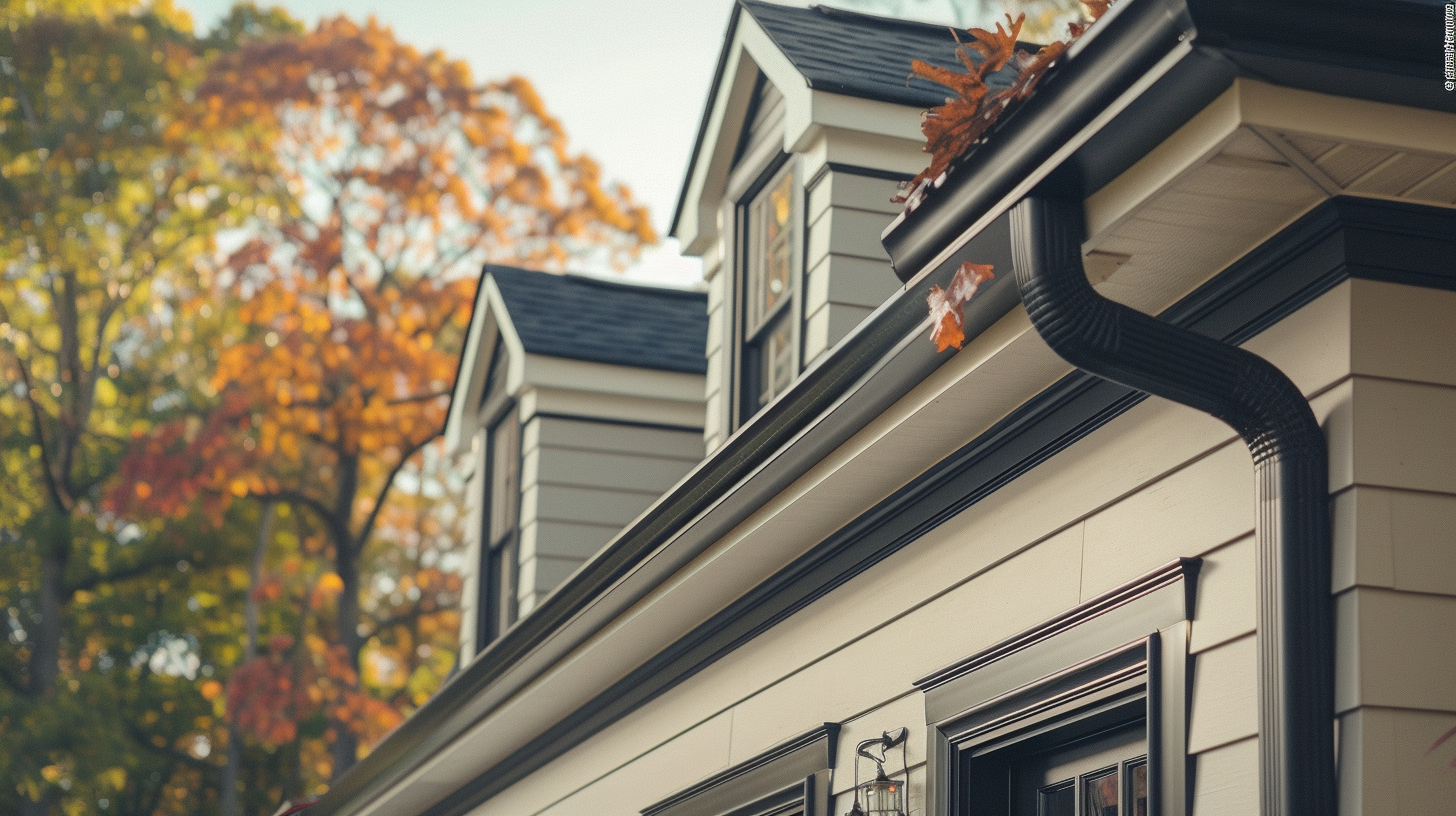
[[947, 306], [952, 129]]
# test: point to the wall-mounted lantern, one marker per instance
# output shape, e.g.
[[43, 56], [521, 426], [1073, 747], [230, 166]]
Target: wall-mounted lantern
[[883, 795]]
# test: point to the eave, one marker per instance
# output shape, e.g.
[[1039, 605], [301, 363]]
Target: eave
[[1147, 68]]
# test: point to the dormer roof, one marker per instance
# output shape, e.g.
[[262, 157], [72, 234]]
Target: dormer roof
[[602, 321], [839, 72], [861, 55]]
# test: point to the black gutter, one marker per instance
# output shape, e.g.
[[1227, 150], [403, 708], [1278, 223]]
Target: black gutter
[[1292, 529], [1112, 57], [1386, 51]]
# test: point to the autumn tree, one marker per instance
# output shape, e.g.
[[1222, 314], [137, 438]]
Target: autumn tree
[[107, 202], [402, 176]]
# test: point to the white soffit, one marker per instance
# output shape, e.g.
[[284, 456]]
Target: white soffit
[[1248, 165]]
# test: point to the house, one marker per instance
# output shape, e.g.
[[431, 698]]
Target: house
[[1013, 583], [586, 399]]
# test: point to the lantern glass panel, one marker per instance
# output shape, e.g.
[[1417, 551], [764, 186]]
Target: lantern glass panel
[[882, 798]]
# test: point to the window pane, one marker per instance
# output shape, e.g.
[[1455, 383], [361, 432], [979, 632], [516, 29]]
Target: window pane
[[1058, 800], [1137, 789], [1100, 794], [505, 444], [777, 362], [771, 250]]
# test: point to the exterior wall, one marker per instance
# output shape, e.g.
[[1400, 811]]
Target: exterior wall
[[841, 271], [582, 480], [1159, 482], [847, 270], [1395, 567]]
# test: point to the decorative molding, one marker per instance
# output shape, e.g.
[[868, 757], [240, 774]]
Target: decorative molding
[[854, 170], [1183, 571], [768, 775]]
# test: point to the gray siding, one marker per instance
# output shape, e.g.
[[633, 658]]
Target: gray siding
[[581, 482], [848, 273]]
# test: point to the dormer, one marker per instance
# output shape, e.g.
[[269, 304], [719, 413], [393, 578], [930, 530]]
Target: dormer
[[579, 401], [812, 121]]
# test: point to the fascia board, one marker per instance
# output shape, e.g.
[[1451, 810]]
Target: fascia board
[[541, 371], [697, 225], [488, 319], [851, 113]]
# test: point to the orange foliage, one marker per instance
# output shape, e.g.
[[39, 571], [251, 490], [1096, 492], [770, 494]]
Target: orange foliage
[[952, 129]]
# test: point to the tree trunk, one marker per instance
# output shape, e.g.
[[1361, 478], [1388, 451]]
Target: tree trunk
[[229, 804], [345, 747]]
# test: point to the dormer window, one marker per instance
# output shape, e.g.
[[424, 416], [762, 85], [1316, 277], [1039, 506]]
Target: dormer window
[[768, 330]]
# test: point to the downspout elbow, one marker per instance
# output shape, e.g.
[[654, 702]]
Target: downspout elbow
[[1292, 527]]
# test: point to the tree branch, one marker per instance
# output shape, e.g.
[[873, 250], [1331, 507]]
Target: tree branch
[[368, 527], [325, 513]]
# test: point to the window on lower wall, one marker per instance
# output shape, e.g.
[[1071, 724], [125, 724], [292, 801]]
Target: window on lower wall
[[768, 361], [789, 779], [1085, 715]]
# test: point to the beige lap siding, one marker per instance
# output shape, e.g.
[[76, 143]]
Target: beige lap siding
[[1158, 482]]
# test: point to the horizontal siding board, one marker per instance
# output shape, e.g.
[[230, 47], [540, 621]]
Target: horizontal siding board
[[952, 626], [1226, 782], [1395, 649], [857, 233], [1396, 539], [574, 467], [1191, 511], [564, 538], [591, 505], [1402, 435], [1403, 332], [1387, 765], [1226, 601], [610, 437], [1225, 705]]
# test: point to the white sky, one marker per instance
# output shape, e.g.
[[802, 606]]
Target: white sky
[[627, 79]]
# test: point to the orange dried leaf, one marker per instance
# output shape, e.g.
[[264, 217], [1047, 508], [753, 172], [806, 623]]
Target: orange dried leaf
[[947, 306]]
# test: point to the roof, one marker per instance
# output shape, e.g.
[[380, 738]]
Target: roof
[[582, 318], [861, 55]]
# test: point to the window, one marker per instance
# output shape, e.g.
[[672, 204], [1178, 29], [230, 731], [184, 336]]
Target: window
[[503, 497], [789, 779], [1084, 715], [768, 364]]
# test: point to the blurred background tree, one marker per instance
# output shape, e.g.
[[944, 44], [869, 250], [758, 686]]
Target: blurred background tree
[[106, 202], [235, 272], [395, 177]]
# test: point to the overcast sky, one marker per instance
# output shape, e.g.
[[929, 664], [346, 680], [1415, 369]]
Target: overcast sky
[[628, 79]]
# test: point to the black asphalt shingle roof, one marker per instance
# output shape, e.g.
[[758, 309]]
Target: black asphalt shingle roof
[[862, 55], [602, 321]]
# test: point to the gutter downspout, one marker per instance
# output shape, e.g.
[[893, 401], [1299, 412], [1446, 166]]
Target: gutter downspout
[[1292, 528]]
